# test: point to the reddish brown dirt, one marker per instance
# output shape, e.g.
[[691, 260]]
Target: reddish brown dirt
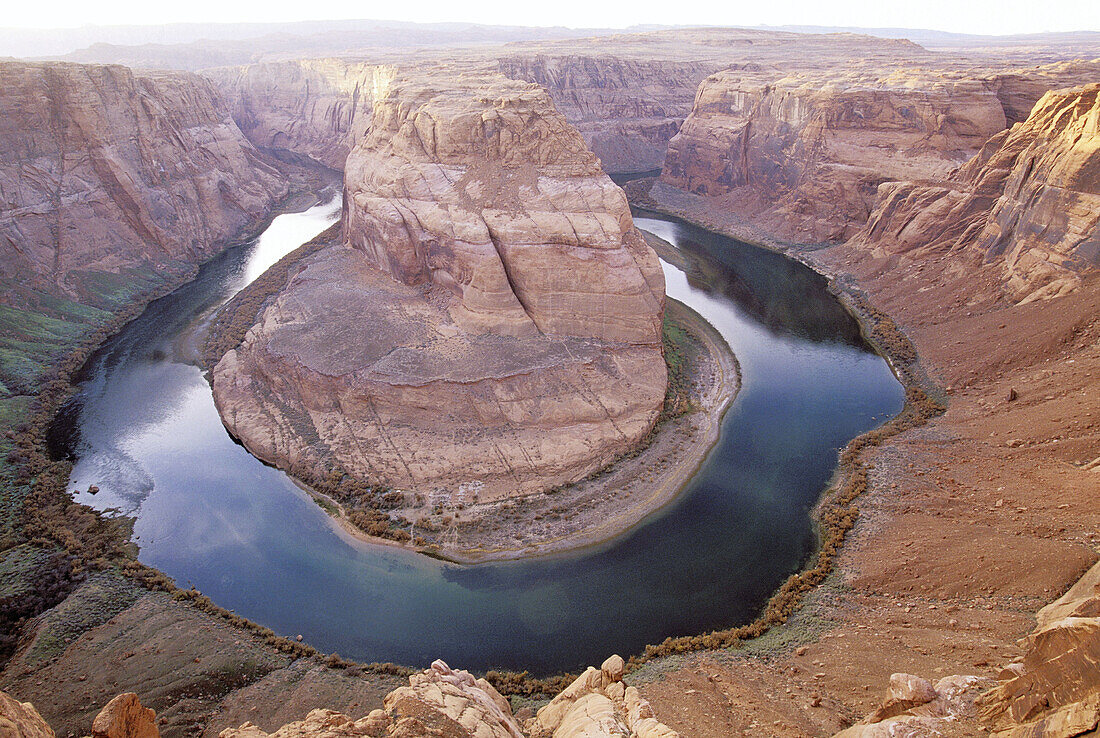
[[971, 523]]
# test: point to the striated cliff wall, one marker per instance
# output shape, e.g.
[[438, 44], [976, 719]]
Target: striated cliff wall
[[627, 109], [803, 155], [1028, 202], [102, 169], [800, 152], [491, 324], [315, 107]]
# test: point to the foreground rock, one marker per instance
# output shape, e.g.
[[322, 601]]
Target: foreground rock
[[598, 704], [21, 720], [124, 717], [914, 707], [1028, 202], [490, 325], [1054, 690], [439, 701]]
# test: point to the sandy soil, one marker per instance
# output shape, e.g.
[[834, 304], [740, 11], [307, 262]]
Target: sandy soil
[[970, 523], [605, 506]]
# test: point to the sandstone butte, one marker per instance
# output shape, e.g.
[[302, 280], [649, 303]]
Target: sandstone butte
[[490, 323]]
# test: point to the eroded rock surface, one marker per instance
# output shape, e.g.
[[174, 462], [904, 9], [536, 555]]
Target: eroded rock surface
[[1028, 202], [124, 717], [439, 701], [916, 708], [104, 170], [800, 151], [1054, 691], [21, 720], [491, 324], [597, 705]]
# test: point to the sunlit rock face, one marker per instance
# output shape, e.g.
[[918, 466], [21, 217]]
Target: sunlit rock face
[[103, 170], [491, 323], [1028, 202]]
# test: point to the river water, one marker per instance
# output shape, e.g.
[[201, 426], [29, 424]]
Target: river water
[[143, 427]]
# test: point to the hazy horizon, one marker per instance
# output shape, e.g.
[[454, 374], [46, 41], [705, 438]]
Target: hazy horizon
[[979, 17]]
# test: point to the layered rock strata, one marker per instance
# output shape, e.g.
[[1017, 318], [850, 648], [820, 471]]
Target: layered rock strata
[[627, 109], [103, 171], [799, 152], [490, 325], [802, 155], [1028, 202], [314, 107], [627, 94]]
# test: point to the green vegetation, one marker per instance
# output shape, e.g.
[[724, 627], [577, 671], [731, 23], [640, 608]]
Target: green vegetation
[[681, 347]]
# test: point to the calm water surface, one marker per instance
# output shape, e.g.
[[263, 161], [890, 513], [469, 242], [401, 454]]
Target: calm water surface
[[144, 429]]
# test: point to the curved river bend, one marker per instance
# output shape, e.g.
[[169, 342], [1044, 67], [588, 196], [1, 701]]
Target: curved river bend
[[144, 429]]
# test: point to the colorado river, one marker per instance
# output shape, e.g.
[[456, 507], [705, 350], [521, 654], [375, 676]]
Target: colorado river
[[143, 427]]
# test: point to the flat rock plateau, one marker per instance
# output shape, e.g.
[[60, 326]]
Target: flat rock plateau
[[950, 192]]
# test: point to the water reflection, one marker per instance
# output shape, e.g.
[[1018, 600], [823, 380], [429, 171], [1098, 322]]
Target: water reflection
[[780, 293]]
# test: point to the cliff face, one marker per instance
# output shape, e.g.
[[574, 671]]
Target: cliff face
[[318, 108], [103, 170], [1028, 202], [800, 152], [626, 109], [492, 323], [803, 155]]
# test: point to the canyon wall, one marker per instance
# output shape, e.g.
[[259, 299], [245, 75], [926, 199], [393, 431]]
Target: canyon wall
[[627, 109], [1028, 202], [314, 107], [104, 170], [490, 324], [800, 153], [802, 156]]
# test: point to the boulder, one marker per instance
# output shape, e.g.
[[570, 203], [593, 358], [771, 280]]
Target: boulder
[[21, 720], [124, 717]]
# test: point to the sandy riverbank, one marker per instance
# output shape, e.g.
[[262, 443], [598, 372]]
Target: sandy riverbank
[[608, 504]]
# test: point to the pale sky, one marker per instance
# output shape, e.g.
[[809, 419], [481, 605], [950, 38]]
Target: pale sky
[[966, 16]]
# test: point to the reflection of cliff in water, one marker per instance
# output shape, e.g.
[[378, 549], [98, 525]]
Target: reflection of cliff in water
[[784, 295]]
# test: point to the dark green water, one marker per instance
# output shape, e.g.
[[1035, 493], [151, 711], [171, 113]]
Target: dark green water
[[144, 429]]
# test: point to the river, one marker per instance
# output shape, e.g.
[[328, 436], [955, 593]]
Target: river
[[143, 427]]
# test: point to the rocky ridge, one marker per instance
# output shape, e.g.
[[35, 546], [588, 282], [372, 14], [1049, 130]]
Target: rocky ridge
[[497, 316]]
